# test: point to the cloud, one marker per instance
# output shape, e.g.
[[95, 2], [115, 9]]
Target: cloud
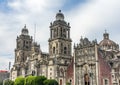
[[88, 19], [4, 62], [92, 18], [28, 12], [34, 6]]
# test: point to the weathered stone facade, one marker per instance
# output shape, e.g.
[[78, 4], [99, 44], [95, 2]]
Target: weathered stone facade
[[92, 63], [29, 60], [97, 64]]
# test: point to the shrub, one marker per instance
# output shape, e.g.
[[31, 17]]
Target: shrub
[[8, 82], [68, 83], [30, 80], [19, 81], [50, 82], [39, 80]]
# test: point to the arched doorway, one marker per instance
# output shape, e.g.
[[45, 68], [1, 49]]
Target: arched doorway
[[86, 79], [60, 81]]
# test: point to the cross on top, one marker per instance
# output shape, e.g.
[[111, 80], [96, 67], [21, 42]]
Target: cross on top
[[105, 31]]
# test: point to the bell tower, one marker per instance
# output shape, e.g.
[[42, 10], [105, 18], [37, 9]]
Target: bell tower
[[23, 46], [60, 41], [59, 48]]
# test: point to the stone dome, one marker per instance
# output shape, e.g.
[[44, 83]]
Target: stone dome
[[59, 16], [107, 44], [25, 31]]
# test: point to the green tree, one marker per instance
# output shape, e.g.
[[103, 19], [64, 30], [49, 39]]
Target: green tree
[[50, 82], [30, 80], [39, 80], [68, 83], [1, 83], [8, 82], [19, 81]]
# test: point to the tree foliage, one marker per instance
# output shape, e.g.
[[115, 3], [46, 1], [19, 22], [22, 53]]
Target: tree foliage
[[30, 80], [19, 81], [68, 83], [1, 83], [8, 82], [50, 82], [34, 80], [39, 80]]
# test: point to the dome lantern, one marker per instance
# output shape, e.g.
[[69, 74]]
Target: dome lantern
[[59, 16], [24, 31], [106, 35], [107, 44]]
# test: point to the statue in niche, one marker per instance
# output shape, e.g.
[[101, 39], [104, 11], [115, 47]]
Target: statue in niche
[[61, 72]]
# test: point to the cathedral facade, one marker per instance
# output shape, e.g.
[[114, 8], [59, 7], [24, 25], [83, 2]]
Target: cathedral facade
[[92, 63], [97, 63]]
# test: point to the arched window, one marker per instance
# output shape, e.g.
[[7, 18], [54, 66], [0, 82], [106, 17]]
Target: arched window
[[53, 50], [106, 81], [56, 45], [61, 31], [65, 50], [69, 49], [56, 48]]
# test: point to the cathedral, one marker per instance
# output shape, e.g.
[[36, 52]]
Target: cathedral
[[92, 63]]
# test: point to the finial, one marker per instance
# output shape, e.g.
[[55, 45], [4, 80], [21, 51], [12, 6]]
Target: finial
[[25, 26], [105, 31], [34, 32], [59, 10], [106, 35], [74, 45], [96, 41], [51, 23], [81, 37], [68, 23]]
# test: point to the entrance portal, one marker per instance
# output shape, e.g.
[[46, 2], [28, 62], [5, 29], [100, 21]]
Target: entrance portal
[[86, 79], [60, 81]]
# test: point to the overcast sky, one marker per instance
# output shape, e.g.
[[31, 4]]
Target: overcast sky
[[88, 18]]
